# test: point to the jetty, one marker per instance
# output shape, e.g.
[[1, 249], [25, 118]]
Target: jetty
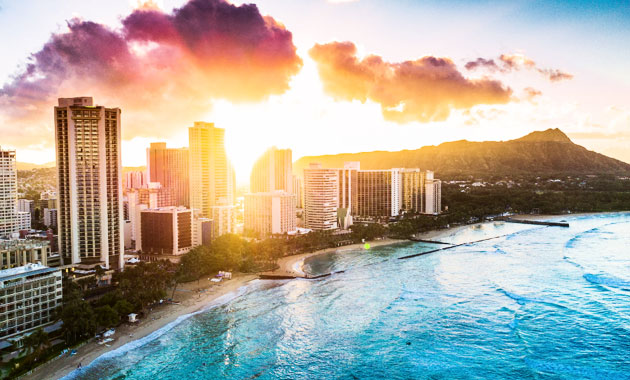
[[428, 241], [537, 222]]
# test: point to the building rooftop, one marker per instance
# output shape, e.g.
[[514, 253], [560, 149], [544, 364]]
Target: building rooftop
[[26, 270]]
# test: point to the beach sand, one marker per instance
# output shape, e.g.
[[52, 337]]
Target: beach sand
[[191, 300]]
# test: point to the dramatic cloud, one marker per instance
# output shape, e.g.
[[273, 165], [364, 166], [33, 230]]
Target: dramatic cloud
[[162, 69], [514, 62], [423, 90]]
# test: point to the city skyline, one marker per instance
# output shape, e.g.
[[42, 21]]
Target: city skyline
[[530, 85]]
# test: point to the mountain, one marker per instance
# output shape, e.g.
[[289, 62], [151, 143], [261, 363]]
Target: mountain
[[29, 166], [538, 153]]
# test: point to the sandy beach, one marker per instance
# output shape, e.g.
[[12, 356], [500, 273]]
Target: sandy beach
[[192, 297]]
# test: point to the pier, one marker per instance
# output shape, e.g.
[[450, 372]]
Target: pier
[[537, 222], [428, 241]]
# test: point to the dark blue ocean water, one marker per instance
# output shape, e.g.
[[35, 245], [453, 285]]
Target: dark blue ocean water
[[535, 303]]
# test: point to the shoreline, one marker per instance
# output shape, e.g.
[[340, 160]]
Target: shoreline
[[191, 300]]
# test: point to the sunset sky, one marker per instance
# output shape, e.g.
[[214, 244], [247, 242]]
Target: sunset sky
[[319, 76]]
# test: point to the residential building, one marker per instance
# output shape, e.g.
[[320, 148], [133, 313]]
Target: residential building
[[170, 168], [272, 172], [26, 205], [29, 298], [223, 219], [8, 193], [270, 213], [211, 175], [90, 213], [19, 252], [321, 197], [22, 220], [165, 233], [203, 231]]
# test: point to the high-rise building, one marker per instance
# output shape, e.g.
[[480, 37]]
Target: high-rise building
[[165, 233], [203, 231], [90, 212], [378, 193], [30, 297], [270, 213], [412, 190], [211, 175], [273, 171], [19, 252], [433, 194], [50, 217], [135, 180], [348, 186], [170, 167], [223, 219], [8, 193], [298, 191], [321, 197]]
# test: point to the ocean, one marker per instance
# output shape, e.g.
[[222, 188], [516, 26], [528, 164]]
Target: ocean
[[534, 303]]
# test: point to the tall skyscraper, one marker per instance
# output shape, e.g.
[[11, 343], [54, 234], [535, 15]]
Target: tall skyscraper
[[169, 167], [272, 171], [348, 186], [321, 197], [412, 190], [8, 193], [89, 187], [211, 174], [298, 191]]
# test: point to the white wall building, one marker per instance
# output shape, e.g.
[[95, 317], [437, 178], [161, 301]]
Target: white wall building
[[90, 210], [321, 197], [8, 193], [270, 213]]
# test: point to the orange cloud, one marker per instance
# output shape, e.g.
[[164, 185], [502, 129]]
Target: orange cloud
[[423, 90], [163, 69]]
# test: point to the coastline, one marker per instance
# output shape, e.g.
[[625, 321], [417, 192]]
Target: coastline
[[191, 301]]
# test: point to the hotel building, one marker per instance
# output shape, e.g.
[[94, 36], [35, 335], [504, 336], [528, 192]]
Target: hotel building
[[211, 175], [165, 233], [90, 212], [412, 190], [223, 219], [270, 213], [170, 167], [29, 297], [298, 191], [321, 197], [135, 180], [378, 193]]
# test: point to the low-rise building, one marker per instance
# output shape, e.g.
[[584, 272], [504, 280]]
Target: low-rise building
[[165, 233], [270, 213], [29, 296], [19, 252]]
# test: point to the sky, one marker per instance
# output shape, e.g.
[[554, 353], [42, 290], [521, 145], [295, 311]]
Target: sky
[[319, 76]]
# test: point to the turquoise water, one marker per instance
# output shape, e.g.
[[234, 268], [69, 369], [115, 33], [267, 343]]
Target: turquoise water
[[535, 303]]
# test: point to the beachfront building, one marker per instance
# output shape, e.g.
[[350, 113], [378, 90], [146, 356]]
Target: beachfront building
[[19, 252], [90, 211], [433, 197], [211, 175], [165, 233], [29, 297], [321, 197], [203, 231], [270, 213], [8, 193], [169, 167], [412, 191], [379, 193]]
